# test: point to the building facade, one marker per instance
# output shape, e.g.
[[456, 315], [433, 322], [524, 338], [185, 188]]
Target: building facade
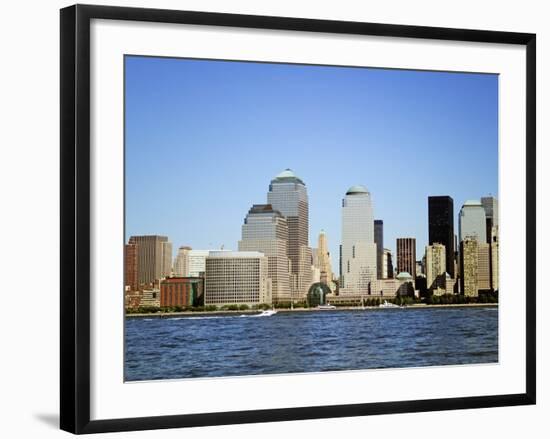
[[197, 262], [150, 297], [494, 259], [471, 221], [237, 278], [265, 230], [182, 291], [288, 195], [483, 267], [469, 266], [323, 259], [435, 266], [154, 257], [379, 241], [131, 280], [387, 264], [441, 227], [475, 267], [166, 265], [490, 205], [401, 285], [406, 256], [181, 262], [358, 250]]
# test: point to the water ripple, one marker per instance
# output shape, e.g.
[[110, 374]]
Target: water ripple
[[214, 346]]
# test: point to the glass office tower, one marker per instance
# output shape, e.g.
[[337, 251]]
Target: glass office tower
[[288, 194]]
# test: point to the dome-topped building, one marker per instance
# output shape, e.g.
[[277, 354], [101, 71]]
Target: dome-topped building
[[289, 176], [404, 276], [317, 294], [358, 251], [288, 194], [357, 189]]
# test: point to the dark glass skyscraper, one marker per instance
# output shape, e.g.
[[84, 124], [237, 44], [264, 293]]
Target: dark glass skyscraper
[[379, 241], [441, 227]]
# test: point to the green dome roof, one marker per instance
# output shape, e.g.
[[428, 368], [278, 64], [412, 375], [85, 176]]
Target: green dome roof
[[288, 175], [317, 294], [404, 275], [357, 189]]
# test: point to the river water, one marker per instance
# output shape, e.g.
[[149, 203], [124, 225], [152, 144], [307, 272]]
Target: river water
[[215, 346]]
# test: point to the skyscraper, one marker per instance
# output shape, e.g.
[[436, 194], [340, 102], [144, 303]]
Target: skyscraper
[[483, 267], [265, 230], [166, 264], [469, 266], [323, 258], [358, 263], [406, 256], [435, 266], [181, 263], [490, 204], [379, 240], [154, 257], [494, 259], [471, 221], [441, 227], [387, 262], [131, 267], [288, 194], [475, 266]]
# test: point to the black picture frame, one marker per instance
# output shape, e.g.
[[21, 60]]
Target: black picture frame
[[75, 217]]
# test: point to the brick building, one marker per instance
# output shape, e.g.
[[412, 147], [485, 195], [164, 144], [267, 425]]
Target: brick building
[[182, 291], [131, 267]]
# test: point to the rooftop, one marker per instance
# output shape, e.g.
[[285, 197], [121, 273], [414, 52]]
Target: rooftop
[[470, 203], [264, 208], [287, 176], [357, 189], [235, 254]]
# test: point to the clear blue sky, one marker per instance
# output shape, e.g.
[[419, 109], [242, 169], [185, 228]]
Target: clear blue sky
[[204, 139]]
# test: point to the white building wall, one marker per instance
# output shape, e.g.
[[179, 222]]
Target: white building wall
[[197, 261], [181, 262], [358, 246], [471, 221]]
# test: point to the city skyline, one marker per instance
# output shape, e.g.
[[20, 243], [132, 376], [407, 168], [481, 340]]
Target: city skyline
[[168, 197]]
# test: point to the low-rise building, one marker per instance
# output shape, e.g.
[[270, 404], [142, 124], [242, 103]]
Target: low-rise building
[[182, 291], [150, 297], [237, 278], [446, 286], [132, 299]]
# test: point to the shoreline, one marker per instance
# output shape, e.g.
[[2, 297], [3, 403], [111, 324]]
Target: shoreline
[[167, 315]]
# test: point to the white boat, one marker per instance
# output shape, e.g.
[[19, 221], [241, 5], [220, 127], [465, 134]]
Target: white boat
[[266, 313], [328, 306], [387, 304]]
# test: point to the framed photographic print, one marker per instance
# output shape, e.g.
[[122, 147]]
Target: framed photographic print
[[273, 218]]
